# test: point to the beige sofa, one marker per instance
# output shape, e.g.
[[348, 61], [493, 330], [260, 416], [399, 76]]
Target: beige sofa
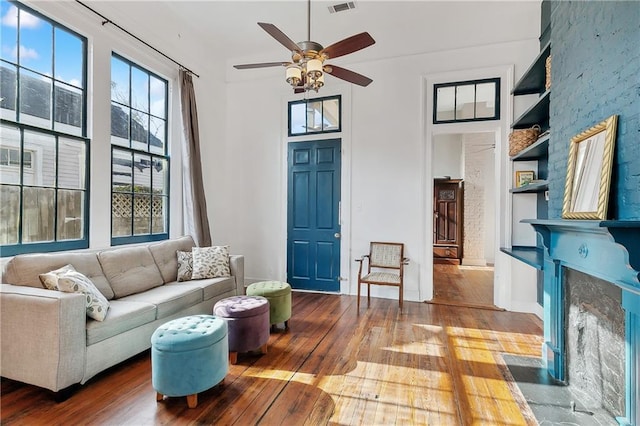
[[47, 339]]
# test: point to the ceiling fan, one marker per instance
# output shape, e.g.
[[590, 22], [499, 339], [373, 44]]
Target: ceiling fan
[[307, 67]]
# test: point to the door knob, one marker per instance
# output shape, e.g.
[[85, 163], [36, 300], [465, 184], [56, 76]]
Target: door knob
[[337, 235]]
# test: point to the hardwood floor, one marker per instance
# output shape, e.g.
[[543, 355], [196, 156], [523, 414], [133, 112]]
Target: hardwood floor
[[462, 285], [429, 365]]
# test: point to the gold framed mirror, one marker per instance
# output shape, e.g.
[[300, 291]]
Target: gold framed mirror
[[586, 191]]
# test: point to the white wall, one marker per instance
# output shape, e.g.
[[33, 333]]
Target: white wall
[[447, 156]]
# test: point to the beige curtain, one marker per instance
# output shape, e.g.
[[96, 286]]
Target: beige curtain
[[196, 222]]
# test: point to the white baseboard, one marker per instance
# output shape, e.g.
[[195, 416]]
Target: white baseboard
[[527, 307]]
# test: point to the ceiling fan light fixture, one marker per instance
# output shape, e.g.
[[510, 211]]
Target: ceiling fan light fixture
[[314, 68], [294, 75]]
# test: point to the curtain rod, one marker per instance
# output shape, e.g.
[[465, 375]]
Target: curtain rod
[[109, 21]]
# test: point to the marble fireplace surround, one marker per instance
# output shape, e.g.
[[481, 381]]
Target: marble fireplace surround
[[609, 250]]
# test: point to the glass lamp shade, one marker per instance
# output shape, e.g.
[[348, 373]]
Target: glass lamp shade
[[314, 68], [294, 75]]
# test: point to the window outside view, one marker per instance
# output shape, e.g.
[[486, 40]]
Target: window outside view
[[43, 152], [140, 167]]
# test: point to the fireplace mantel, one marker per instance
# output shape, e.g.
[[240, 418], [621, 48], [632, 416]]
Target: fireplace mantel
[[609, 250]]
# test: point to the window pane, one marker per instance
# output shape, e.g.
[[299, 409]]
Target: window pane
[[68, 110], [122, 171], [35, 99], [72, 162], [36, 42], [158, 90], [445, 103], [10, 213], [43, 159], [142, 173], [465, 102], [142, 214], [331, 114], [139, 130], [159, 215], [69, 57], [485, 100], [120, 215], [157, 136], [9, 144], [70, 215], [119, 125], [159, 176], [8, 82], [298, 114], [314, 116], [38, 214], [119, 81], [8, 32], [139, 89]]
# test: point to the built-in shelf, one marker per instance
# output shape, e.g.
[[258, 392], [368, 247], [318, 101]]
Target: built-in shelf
[[531, 188], [532, 256], [539, 149], [538, 114], [534, 78]]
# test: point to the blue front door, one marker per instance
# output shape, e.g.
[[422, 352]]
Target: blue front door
[[313, 229]]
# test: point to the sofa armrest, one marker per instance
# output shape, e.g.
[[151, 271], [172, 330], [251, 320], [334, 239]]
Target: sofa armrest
[[42, 336], [236, 262]]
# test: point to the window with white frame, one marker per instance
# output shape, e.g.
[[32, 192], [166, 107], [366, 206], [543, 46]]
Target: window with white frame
[[43, 144], [139, 160]]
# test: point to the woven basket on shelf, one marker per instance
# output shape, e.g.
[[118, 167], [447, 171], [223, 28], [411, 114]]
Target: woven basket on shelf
[[547, 67], [522, 138]]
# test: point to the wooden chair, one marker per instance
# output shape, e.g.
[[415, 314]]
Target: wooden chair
[[387, 261]]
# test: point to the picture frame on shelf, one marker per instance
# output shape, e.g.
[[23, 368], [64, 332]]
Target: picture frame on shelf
[[524, 177], [589, 166]]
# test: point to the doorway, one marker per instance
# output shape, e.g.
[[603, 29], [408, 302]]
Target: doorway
[[313, 226], [466, 158]]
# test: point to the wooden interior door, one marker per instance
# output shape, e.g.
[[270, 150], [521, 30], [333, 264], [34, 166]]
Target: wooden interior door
[[448, 219]]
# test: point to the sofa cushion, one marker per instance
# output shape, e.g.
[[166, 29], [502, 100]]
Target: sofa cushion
[[130, 270], [122, 316], [211, 287], [164, 254], [210, 262], [168, 299], [185, 265], [24, 269]]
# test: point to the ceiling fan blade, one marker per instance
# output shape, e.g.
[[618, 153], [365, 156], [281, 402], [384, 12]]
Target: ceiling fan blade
[[261, 65], [349, 45], [348, 75], [280, 36]]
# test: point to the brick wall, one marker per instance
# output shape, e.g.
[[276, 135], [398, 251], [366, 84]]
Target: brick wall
[[595, 48]]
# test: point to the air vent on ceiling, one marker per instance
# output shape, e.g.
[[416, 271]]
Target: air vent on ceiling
[[341, 7]]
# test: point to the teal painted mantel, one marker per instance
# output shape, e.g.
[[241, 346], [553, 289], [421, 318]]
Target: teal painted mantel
[[609, 250]]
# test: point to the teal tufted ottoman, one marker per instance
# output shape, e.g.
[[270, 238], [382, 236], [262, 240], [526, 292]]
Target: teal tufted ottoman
[[189, 355], [279, 296]]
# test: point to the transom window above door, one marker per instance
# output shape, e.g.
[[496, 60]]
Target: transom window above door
[[475, 100], [312, 116]]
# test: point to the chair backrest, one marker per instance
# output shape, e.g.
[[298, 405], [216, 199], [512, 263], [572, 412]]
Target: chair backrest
[[386, 255]]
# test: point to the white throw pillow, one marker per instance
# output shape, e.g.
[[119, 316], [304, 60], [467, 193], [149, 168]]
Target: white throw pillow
[[210, 262], [68, 280], [50, 279], [185, 265]]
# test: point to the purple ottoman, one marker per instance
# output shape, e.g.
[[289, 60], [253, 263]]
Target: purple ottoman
[[248, 321]]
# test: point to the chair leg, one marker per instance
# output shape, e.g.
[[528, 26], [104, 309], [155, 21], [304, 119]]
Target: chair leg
[[401, 296], [233, 358], [263, 348], [368, 295], [358, 304], [159, 396]]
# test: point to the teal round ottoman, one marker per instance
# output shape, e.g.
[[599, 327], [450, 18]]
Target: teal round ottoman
[[279, 296], [189, 355]]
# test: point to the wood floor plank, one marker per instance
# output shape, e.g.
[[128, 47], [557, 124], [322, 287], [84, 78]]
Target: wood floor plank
[[429, 364]]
